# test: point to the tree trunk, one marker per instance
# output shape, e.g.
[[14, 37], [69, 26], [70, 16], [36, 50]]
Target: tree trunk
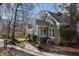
[[14, 24], [73, 10], [73, 22], [8, 31]]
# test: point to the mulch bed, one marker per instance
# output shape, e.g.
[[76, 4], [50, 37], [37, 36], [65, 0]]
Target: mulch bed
[[70, 49]]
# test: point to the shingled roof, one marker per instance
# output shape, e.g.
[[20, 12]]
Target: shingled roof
[[41, 22], [61, 18]]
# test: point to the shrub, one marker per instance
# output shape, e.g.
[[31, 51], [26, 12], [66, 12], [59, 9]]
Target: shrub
[[67, 34], [21, 45], [34, 37]]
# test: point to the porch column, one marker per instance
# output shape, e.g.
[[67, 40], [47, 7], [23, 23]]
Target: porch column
[[38, 36], [49, 31]]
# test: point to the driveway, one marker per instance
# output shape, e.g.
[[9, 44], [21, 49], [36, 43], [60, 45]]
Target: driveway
[[35, 50], [1, 42]]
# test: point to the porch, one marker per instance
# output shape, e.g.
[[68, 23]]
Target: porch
[[46, 34]]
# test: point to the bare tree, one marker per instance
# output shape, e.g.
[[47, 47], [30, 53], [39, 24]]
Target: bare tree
[[73, 14], [14, 23], [10, 17], [27, 8], [9, 21], [73, 10], [42, 15]]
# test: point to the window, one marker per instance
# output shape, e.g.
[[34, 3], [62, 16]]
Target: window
[[52, 32], [44, 31], [41, 32]]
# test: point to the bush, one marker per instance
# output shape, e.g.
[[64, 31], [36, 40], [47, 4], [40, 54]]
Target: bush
[[34, 37], [21, 45], [67, 34]]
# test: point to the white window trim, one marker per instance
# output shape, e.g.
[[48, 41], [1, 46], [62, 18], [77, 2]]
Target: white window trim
[[51, 32]]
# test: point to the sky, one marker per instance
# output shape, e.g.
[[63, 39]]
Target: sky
[[45, 6]]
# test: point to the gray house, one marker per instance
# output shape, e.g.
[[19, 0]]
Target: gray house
[[48, 28]]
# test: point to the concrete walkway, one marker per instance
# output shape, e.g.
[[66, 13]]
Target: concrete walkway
[[34, 49]]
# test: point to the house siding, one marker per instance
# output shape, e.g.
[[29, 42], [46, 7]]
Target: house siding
[[56, 40], [52, 22], [57, 35], [78, 27]]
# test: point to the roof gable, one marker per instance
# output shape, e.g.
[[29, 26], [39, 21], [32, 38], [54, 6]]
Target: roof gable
[[61, 18]]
